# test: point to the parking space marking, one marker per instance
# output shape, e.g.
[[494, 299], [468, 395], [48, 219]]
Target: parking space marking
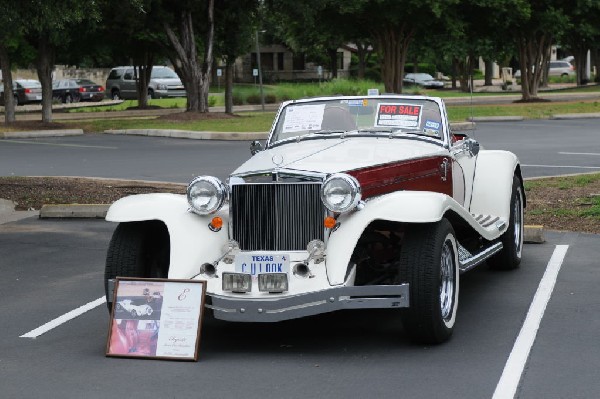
[[64, 318], [562, 166], [580, 153], [511, 376], [58, 145]]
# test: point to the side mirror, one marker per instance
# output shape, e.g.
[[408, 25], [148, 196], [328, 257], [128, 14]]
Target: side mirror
[[471, 146], [255, 147]]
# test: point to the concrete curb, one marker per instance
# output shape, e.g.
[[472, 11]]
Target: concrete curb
[[576, 116], [193, 135], [497, 119], [41, 133], [91, 211], [534, 234]]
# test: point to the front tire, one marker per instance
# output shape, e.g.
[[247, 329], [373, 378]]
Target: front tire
[[512, 240], [137, 249], [429, 264]]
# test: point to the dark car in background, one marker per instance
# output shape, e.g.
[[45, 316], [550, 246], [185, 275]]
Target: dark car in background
[[75, 90], [424, 80], [25, 91]]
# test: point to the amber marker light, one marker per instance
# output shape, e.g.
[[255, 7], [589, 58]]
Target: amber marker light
[[216, 223], [329, 222]]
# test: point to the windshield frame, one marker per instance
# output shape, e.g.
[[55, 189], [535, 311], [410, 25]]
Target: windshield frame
[[444, 140]]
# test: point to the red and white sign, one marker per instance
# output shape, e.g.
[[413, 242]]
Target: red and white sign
[[398, 115]]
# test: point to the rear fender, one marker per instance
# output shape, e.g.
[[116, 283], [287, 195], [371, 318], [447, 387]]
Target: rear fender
[[192, 242]]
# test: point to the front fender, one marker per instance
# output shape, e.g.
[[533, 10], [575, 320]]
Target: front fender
[[192, 242], [401, 207]]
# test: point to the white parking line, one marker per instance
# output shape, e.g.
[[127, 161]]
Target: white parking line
[[563, 166], [64, 318], [580, 153], [511, 376]]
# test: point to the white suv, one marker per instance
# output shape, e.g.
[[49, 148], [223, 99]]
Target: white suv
[[164, 82], [557, 68]]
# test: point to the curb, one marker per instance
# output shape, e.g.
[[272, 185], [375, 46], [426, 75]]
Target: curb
[[90, 211], [576, 116], [533, 234], [496, 118], [41, 133], [188, 134]]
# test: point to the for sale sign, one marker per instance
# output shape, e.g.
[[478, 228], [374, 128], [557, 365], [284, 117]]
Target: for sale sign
[[399, 115]]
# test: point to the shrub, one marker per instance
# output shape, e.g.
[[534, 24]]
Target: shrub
[[237, 100], [253, 99]]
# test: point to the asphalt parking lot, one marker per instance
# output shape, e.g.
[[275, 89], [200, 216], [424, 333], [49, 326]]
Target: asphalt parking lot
[[52, 267]]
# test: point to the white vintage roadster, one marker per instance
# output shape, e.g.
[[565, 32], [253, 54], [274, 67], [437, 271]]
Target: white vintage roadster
[[355, 202]]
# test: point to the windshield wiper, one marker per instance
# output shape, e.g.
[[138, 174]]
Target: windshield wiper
[[319, 133]]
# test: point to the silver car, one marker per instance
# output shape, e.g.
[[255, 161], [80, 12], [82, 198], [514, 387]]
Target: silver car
[[424, 80], [557, 68], [164, 82], [25, 91]]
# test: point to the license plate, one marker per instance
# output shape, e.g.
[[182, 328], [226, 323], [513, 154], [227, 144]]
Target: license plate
[[38, 97], [257, 263]]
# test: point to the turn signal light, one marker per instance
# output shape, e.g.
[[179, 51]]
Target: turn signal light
[[216, 223], [329, 222]]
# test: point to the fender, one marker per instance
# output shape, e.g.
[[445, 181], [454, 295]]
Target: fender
[[192, 242], [399, 206], [492, 186]]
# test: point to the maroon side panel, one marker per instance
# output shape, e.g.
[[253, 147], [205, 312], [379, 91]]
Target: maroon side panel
[[416, 175]]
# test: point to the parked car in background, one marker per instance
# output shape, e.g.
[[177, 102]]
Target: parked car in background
[[75, 90], [355, 202], [164, 82], [424, 80], [557, 68], [25, 91]]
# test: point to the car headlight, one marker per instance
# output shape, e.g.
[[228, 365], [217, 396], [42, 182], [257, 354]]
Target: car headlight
[[340, 193], [206, 195], [161, 87]]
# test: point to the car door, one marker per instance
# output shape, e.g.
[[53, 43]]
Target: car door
[[128, 87], [464, 153]]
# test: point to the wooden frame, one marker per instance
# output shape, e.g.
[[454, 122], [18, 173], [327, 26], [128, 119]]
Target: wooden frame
[[156, 318]]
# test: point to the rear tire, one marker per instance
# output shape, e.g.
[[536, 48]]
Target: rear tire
[[137, 249], [512, 240], [115, 95], [429, 264], [68, 99]]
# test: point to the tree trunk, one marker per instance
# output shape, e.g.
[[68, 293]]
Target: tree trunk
[[44, 66], [333, 67], [393, 45], [580, 54], [142, 73], [196, 78], [489, 72], [361, 52], [454, 71], [229, 85], [533, 57], [9, 99], [596, 61]]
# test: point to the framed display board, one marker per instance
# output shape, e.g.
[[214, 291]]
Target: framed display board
[[156, 318]]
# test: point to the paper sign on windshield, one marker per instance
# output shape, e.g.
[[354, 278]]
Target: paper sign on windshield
[[398, 115], [303, 117]]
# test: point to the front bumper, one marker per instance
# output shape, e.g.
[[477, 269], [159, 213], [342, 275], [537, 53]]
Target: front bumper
[[312, 303], [302, 305]]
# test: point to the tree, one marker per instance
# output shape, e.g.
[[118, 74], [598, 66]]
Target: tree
[[10, 31], [46, 26], [182, 18], [235, 25], [582, 33]]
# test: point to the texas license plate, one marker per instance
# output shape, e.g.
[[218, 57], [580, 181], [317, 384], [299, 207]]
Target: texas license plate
[[257, 263]]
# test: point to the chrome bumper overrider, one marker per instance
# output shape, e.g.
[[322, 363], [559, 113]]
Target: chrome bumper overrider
[[292, 307]]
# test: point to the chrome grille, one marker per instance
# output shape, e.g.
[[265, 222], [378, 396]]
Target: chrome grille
[[276, 216]]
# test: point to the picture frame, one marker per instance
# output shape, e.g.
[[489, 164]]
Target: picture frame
[[156, 318]]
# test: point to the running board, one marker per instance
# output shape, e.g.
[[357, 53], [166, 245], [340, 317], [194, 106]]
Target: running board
[[468, 261]]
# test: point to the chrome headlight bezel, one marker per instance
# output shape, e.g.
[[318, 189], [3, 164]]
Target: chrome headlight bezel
[[215, 202], [346, 183]]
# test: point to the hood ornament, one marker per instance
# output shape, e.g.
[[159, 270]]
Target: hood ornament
[[277, 160]]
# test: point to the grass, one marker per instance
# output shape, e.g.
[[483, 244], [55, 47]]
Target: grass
[[563, 183], [529, 111]]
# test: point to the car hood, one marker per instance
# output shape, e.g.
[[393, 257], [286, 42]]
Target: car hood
[[339, 155]]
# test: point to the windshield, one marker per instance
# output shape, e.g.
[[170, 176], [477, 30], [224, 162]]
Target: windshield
[[163, 73], [368, 115]]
